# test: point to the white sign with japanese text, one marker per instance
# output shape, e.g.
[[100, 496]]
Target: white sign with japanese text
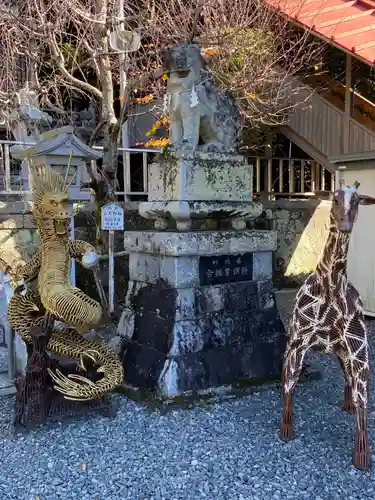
[[112, 217]]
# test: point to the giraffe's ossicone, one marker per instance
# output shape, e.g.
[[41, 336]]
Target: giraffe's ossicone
[[56, 295]]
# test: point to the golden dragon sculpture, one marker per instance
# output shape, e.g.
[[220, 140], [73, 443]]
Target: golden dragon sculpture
[[57, 296]]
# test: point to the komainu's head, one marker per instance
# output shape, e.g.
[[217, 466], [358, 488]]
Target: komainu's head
[[183, 64], [51, 202]]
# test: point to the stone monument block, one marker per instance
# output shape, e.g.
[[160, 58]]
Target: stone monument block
[[199, 176], [203, 312], [197, 185]]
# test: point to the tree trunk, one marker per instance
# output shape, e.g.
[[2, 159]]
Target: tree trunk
[[106, 186]]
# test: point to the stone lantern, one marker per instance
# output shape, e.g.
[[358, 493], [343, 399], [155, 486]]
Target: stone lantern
[[63, 151], [57, 149]]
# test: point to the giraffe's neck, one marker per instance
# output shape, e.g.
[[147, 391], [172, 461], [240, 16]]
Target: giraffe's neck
[[332, 267]]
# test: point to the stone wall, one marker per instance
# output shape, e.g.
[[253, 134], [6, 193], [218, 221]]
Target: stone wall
[[302, 227], [18, 239]]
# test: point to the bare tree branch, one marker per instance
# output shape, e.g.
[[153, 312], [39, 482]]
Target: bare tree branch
[[62, 48], [62, 66]]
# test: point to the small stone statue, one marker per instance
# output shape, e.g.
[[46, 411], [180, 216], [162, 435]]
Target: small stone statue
[[202, 117], [26, 119]]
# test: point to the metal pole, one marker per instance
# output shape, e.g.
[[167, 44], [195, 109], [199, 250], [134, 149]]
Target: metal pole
[[99, 287], [124, 127], [111, 270], [72, 235]]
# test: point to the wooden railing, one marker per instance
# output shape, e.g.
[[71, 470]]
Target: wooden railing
[[276, 178], [360, 138], [322, 125], [132, 174], [273, 177]]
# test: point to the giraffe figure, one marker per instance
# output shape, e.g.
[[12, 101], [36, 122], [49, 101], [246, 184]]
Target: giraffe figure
[[328, 317]]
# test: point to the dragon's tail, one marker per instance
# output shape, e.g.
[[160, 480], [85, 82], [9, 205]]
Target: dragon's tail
[[25, 312], [75, 308], [67, 342]]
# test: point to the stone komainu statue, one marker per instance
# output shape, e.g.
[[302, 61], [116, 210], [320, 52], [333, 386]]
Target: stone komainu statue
[[55, 294], [201, 116]]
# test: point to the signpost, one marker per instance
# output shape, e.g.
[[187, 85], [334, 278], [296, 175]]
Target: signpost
[[112, 219]]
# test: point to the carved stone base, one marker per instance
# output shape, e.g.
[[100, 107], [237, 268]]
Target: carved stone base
[[184, 211], [200, 310]]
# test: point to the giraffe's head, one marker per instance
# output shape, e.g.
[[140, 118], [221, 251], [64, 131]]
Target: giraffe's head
[[345, 203]]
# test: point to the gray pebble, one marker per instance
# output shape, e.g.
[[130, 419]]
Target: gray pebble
[[225, 451]]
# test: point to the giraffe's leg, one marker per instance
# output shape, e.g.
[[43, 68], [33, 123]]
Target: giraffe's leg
[[357, 372], [348, 405], [292, 368], [362, 453]]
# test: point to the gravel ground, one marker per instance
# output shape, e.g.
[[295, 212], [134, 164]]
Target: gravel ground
[[3, 359], [222, 451]]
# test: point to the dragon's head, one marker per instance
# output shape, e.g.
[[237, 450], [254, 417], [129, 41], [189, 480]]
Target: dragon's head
[[51, 201]]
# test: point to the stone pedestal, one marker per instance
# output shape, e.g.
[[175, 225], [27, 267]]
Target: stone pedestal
[[200, 310], [187, 186]]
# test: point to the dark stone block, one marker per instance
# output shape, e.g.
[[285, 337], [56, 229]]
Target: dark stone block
[[152, 330], [222, 330], [158, 297], [191, 336], [241, 341], [205, 369], [248, 326], [144, 357], [193, 372], [241, 296], [209, 300], [271, 355], [273, 325], [155, 309], [266, 293], [142, 365], [265, 325], [222, 365], [226, 365], [231, 329]]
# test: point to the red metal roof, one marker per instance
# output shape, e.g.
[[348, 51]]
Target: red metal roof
[[348, 24]]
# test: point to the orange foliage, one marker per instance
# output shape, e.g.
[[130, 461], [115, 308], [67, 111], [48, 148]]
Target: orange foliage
[[163, 121], [145, 99]]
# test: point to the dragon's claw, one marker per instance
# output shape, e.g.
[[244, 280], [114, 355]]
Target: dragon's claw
[[81, 364], [48, 322], [73, 387]]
